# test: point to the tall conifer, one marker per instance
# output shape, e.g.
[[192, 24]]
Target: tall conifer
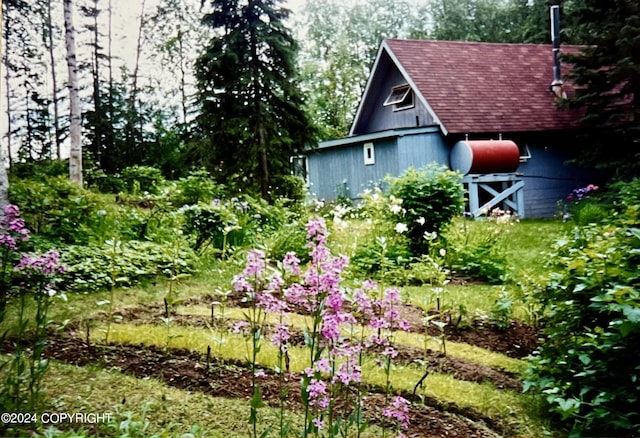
[[252, 118]]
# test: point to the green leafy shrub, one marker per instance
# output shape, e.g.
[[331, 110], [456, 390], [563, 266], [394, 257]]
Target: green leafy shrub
[[105, 183], [502, 310], [56, 209], [431, 197], [478, 252], [207, 223], [290, 187], [588, 368], [196, 187], [142, 179], [99, 267], [291, 237], [626, 194], [227, 224], [381, 256], [40, 170]]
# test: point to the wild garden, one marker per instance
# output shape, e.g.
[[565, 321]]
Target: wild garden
[[186, 308]]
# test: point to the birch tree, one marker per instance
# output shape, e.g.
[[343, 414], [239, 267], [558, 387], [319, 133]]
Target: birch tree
[[75, 118], [4, 180], [48, 39]]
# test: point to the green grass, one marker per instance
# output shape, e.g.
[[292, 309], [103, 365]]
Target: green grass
[[168, 412], [455, 349], [484, 398], [529, 242]]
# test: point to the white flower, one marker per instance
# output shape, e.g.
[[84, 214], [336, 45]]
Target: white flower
[[421, 220], [395, 208], [430, 236], [401, 228], [443, 252]]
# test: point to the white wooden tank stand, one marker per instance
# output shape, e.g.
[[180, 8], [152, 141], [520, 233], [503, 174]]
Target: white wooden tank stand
[[512, 194]]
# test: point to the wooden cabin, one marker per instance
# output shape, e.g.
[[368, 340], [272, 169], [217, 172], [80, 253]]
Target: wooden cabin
[[425, 100]]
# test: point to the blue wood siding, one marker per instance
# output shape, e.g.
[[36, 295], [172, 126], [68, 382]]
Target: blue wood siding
[[338, 172], [548, 179], [376, 117], [420, 150]]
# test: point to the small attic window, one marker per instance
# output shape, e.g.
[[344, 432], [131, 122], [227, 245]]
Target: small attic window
[[400, 97]]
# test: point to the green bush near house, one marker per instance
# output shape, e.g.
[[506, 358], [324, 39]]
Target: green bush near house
[[431, 197]]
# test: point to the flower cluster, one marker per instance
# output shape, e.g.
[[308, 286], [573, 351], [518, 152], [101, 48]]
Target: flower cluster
[[41, 269], [579, 194], [12, 228], [335, 354], [398, 411]]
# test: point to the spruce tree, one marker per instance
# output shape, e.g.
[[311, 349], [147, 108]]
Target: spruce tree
[[607, 76], [252, 119]]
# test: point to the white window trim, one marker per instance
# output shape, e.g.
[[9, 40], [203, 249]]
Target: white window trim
[[525, 153], [369, 154], [401, 97]]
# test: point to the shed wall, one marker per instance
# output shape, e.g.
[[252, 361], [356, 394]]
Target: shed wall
[[341, 172], [548, 179], [420, 150]]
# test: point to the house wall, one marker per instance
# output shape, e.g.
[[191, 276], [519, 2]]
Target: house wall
[[423, 149], [376, 117], [548, 179], [341, 172]]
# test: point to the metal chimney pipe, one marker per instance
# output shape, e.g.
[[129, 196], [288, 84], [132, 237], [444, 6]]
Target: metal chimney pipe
[[555, 40], [556, 85]]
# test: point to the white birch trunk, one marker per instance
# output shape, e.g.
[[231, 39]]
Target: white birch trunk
[[4, 180], [75, 147]]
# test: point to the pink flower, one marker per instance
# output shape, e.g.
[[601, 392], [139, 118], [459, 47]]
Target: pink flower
[[291, 263], [239, 326], [281, 336], [390, 351], [398, 411], [318, 423], [255, 263], [404, 325], [270, 303], [317, 230]]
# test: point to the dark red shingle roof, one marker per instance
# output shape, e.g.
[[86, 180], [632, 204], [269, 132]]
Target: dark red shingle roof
[[486, 87]]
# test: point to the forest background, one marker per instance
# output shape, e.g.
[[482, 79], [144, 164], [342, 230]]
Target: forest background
[[143, 100]]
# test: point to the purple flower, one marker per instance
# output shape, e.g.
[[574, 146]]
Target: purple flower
[[398, 410], [349, 372], [239, 326], [318, 423], [317, 230], [13, 228], [269, 303], [317, 390], [281, 336], [255, 263], [291, 263]]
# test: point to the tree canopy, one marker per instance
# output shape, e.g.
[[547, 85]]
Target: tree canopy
[[252, 119], [607, 74]]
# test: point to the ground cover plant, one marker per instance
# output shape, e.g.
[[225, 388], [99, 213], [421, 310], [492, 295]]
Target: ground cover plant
[[298, 322]]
